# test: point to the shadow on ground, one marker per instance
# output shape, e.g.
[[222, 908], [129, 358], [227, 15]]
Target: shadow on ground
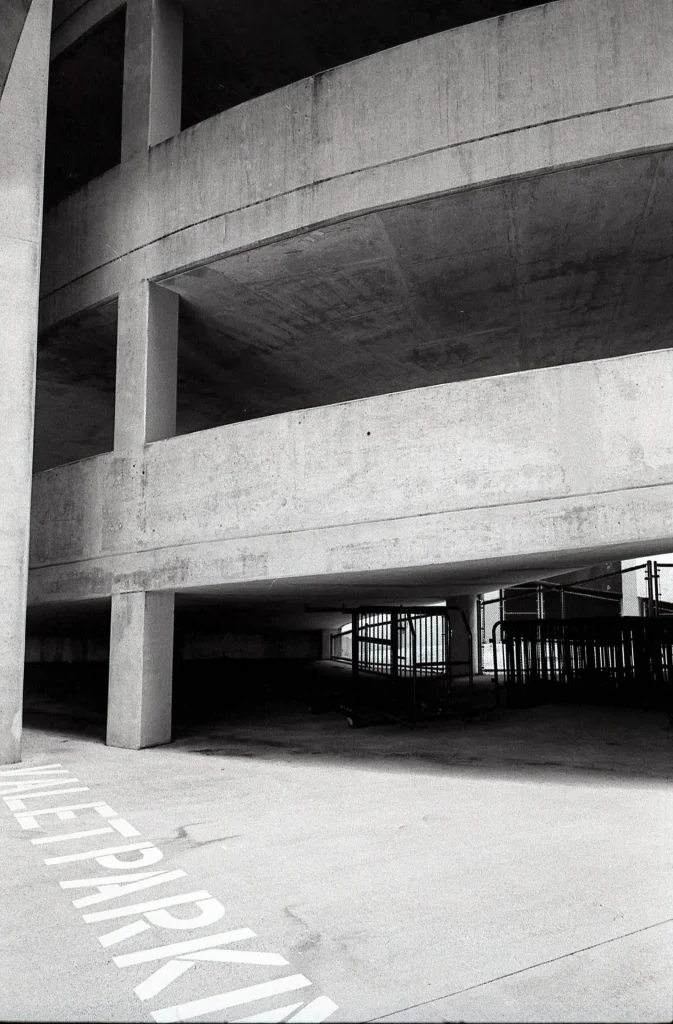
[[242, 709]]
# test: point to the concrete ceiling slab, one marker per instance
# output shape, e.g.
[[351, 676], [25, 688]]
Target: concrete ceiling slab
[[468, 222], [340, 245]]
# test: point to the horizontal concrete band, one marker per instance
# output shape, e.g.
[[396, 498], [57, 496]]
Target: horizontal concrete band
[[572, 459], [554, 86]]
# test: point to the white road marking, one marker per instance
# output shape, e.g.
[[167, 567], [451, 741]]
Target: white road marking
[[94, 854], [211, 1004], [112, 892], [27, 819], [161, 978], [16, 787], [141, 908], [83, 883], [269, 1016], [237, 956], [126, 932], [16, 803], [314, 1012], [122, 826], [210, 911], [143, 956], [25, 784], [71, 835]]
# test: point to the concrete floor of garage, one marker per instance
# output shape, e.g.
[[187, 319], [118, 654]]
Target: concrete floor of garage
[[516, 868]]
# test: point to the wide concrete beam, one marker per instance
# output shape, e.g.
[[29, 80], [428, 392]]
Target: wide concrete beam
[[23, 108], [552, 86], [571, 462]]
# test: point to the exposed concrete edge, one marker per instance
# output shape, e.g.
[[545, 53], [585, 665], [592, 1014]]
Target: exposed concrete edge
[[585, 528], [548, 148], [79, 22]]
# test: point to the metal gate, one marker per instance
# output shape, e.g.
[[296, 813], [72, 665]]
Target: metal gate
[[402, 659], [625, 660]]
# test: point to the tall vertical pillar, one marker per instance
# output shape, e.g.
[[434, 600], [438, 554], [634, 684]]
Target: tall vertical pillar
[[141, 669], [630, 596], [141, 635], [463, 647], [492, 614], [24, 51], [152, 74]]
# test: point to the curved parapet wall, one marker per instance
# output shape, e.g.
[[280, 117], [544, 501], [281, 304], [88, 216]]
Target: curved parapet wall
[[573, 464], [571, 82]]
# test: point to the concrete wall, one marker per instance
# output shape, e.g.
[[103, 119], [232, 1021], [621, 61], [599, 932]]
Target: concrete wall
[[22, 126], [551, 86], [574, 459]]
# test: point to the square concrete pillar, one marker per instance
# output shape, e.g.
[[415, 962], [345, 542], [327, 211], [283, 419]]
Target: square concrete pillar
[[325, 644], [493, 611], [24, 69], [152, 99], [147, 365], [461, 649], [141, 670], [630, 595]]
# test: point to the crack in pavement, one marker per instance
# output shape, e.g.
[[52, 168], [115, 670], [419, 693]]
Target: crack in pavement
[[521, 970]]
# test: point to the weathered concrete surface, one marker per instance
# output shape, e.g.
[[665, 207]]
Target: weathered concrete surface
[[141, 669], [152, 74], [13, 16], [147, 360], [552, 86], [561, 267], [393, 869], [22, 126], [573, 463]]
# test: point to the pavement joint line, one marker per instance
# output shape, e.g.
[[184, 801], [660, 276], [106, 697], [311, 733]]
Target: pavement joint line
[[522, 970]]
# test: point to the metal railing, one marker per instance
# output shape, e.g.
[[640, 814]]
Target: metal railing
[[402, 659], [628, 659]]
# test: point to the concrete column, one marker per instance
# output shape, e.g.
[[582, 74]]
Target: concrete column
[[492, 614], [141, 670], [152, 74], [23, 106], [630, 596], [460, 645], [147, 363], [141, 634]]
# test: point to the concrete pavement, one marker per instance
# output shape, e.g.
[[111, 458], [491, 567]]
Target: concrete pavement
[[514, 869]]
